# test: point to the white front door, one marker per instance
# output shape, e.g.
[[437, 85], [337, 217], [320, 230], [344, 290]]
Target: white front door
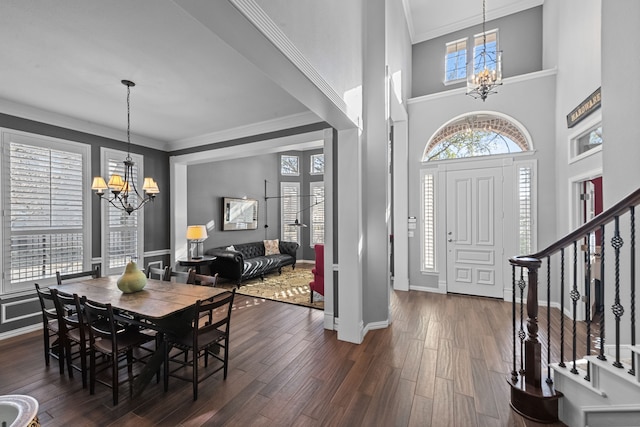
[[475, 232]]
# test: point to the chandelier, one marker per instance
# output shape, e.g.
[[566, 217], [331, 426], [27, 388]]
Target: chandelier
[[482, 82], [125, 195]]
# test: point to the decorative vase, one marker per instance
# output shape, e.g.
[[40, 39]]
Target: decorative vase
[[132, 280]]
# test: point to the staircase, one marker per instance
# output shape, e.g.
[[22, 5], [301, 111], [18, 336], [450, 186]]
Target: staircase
[[581, 379]]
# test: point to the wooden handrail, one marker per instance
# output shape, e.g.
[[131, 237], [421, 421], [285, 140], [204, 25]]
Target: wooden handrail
[[605, 217]]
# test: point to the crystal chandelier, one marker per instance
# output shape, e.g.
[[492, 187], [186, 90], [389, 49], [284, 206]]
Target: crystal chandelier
[[481, 82], [125, 195]]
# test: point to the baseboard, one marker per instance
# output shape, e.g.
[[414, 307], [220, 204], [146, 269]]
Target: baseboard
[[427, 289], [15, 332]]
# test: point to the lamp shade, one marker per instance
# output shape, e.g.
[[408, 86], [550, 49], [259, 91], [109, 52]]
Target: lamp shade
[[197, 232]]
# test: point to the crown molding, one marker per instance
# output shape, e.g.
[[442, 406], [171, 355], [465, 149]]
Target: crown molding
[[258, 128], [56, 119]]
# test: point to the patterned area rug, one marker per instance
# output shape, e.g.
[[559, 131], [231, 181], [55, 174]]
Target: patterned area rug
[[292, 286]]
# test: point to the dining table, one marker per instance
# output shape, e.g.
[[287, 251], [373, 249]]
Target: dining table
[[162, 306]]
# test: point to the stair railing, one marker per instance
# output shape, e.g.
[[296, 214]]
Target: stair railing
[[529, 395]]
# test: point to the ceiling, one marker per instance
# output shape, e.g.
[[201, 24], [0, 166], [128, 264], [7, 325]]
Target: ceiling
[[62, 63]]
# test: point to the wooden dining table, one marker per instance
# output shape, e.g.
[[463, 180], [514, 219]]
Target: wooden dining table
[[160, 305]]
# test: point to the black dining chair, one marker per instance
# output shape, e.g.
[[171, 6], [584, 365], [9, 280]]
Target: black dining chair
[[206, 338], [187, 277], [53, 338], [110, 337], [73, 326], [95, 273]]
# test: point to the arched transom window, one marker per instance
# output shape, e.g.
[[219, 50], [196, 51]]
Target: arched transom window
[[479, 134]]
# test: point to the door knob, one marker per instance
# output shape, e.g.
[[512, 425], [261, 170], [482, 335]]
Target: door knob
[[450, 240]]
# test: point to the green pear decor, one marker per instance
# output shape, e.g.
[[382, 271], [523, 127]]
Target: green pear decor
[[132, 280]]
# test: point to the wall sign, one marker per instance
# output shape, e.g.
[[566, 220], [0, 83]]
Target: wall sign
[[585, 108]]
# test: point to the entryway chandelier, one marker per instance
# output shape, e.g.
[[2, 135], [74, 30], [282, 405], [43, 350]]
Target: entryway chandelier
[[481, 82], [125, 195]]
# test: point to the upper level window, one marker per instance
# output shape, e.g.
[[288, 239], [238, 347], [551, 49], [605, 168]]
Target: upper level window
[[588, 141], [455, 63], [317, 164], [289, 165], [46, 205], [476, 135], [491, 57]]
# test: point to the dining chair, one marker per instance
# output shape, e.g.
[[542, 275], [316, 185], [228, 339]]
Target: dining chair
[[205, 280], [53, 339], [113, 339], [95, 273], [73, 326], [159, 273], [187, 277], [204, 339]]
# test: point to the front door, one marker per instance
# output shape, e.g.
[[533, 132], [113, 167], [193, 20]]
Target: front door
[[474, 232]]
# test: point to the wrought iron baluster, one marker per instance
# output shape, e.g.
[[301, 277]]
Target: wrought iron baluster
[[549, 380], [521, 334], [632, 279], [587, 294], [562, 364], [514, 373], [575, 296], [602, 356], [617, 308]]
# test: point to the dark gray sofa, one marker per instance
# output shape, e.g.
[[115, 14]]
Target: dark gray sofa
[[248, 260]]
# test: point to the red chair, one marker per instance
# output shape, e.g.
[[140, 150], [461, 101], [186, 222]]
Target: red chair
[[317, 284]]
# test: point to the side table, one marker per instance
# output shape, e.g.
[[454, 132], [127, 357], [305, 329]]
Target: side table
[[197, 263]]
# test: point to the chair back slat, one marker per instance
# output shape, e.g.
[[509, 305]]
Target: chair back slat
[[95, 273], [205, 280], [187, 277], [159, 273]]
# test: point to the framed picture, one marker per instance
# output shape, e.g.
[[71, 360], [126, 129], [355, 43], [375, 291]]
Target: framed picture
[[239, 214]]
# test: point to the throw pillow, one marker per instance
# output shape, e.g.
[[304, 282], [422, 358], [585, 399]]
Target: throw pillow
[[231, 248], [271, 247]]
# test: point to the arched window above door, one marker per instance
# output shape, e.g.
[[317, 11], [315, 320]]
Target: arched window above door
[[477, 134]]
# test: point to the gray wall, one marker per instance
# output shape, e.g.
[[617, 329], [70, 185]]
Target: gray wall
[[209, 183], [156, 164], [519, 38]]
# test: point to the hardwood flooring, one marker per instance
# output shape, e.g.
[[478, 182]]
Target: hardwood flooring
[[444, 361]]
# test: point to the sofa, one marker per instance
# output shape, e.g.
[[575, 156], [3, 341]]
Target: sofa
[[244, 261]]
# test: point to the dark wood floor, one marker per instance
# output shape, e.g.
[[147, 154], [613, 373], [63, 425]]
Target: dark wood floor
[[443, 362]]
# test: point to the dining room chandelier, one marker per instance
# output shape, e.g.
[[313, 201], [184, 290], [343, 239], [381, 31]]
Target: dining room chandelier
[[124, 193], [485, 72]]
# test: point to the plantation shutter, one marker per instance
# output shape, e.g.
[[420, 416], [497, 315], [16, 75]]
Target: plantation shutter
[[290, 205], [44, 204], [317, 213], [124, 238]]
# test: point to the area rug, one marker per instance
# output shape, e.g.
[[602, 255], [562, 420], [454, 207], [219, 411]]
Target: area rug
[[292, 286]]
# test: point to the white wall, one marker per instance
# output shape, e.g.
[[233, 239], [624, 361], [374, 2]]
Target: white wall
[[536, 114], [620, 112]]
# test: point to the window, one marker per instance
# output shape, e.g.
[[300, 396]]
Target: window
[[317, 164], [46, 208], [455, 63], [290, 207], [289, 165], [122, 233], [490, 59], [476, 135], [429, 225], [525, 211], [317, 213], [590, 140]]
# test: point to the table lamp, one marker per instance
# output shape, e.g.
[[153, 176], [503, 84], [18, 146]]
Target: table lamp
[[196, 234]]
